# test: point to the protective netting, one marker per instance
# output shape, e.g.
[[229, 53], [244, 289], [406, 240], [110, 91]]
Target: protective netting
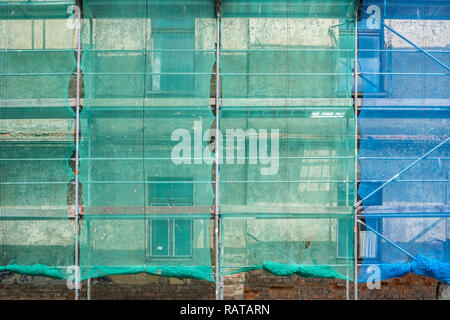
[[404, 152], [287, 178], [147, 171], [147, 204], [36, 125]]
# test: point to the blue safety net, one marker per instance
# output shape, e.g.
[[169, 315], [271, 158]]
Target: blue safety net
[[404, 59]]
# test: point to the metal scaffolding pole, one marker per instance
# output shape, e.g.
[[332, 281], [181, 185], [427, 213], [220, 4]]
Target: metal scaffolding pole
[[77, 159], [88, 293], [218, 277], [355, 223]]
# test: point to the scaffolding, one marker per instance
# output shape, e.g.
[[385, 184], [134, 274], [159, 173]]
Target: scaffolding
[[403, 206], [197, 139]]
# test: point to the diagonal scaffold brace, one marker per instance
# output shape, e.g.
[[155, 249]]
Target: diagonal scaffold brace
[[411, 165], [396, 176]]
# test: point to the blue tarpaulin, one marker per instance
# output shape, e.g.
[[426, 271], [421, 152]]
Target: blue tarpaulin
[[404, 55]]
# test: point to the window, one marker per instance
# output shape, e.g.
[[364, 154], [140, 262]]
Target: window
[[370, 57], [173, 45], [369, 242], [365, 188], [171, 237], [369, 62]]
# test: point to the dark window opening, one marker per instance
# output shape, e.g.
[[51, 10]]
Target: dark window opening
[[171, 237]]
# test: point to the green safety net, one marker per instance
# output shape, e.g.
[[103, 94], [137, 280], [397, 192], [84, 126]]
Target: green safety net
[[287, 187], [148, 138], [36, 141], [147, 70]]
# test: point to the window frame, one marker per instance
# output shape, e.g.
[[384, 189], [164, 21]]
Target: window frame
[[171, 222]]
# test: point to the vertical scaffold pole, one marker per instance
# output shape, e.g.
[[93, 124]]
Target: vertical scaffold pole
[[355, 222], [77, 159], [219, 287], [87, 225], [347, 203]]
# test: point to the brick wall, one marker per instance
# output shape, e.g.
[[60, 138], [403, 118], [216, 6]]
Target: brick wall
[[260, 285], [251, 285], [141, 286]]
